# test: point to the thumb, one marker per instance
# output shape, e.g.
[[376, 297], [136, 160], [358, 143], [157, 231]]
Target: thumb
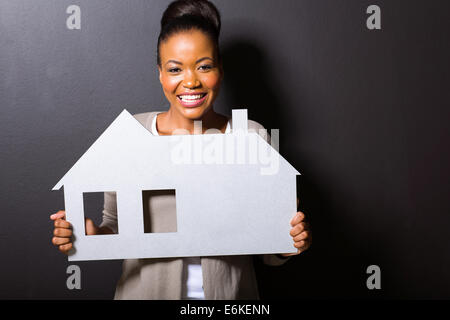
[[91, 229]]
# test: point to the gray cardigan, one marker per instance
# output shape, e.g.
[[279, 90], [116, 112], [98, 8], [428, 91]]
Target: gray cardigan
[[224, 277]]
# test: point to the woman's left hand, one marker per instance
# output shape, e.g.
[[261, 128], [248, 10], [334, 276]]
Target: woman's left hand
[[301, 234]]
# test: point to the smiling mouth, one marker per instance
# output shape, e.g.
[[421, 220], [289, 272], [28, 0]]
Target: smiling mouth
[[191, 98]]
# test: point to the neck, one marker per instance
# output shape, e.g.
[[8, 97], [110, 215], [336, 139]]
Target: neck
[[172, 120]]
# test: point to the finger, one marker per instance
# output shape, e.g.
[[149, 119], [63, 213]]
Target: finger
[[293, 253], [298, 217], [62, 224], [302, 236], [61, 232], [295, 231], [299, 244], [61, 214], [58, 215], [302, 245], [59, 241], [90, 227], [65, 247]]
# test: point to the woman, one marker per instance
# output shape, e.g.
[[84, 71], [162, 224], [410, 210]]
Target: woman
[[190, 72]]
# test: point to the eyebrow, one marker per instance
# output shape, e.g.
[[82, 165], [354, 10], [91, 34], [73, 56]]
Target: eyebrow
[[199, 60]]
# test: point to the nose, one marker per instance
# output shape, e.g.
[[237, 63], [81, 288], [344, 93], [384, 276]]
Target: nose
[[191, 81]]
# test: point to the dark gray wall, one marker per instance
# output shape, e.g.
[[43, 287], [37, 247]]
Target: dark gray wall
[[362, 114]]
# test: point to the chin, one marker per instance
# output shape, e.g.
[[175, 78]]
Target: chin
[[194, 113]]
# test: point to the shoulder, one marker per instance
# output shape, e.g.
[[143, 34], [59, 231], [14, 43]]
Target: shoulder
[[253, 125], [146, 118]]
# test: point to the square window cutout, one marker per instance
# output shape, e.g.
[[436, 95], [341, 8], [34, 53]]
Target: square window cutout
[[159, 210], [93, 205]]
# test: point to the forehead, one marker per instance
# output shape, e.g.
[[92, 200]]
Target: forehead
[[187, 46]]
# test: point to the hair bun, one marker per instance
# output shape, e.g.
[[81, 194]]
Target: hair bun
[[185, 15], [200, 9]]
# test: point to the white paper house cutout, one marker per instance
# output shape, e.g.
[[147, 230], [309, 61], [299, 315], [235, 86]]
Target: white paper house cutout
[[222, 209]]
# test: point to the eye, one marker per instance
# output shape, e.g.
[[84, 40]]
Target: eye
[[174, 70], [205, 67]]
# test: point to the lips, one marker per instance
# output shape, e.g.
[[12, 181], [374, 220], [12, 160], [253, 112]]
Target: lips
[[192, 99]]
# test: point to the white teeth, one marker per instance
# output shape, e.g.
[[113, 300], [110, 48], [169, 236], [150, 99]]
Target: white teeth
[[193, 97]]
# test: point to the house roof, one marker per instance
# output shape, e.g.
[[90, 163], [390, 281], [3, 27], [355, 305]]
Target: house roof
[[126, 139]]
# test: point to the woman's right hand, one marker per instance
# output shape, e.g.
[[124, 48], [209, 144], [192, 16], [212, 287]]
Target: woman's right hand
[[63, 231]]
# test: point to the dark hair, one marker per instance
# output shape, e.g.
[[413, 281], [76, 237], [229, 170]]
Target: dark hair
[[185, 15]]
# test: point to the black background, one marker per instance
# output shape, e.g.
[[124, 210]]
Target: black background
[[363, 115]]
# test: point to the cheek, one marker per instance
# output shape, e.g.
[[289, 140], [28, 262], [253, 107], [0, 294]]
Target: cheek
[[169, 84], [211, 81]]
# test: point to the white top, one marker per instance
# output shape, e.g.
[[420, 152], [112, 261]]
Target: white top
[[192, 279], [155, 131], [192, 274]]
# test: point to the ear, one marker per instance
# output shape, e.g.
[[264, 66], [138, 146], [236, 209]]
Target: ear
[[160, 74]]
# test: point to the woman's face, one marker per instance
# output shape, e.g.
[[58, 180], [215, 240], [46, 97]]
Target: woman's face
[[190, 74]]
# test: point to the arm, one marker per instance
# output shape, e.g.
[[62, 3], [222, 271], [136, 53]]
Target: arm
[[300, 231], [268, 259], [109, 224], [273, 259]]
